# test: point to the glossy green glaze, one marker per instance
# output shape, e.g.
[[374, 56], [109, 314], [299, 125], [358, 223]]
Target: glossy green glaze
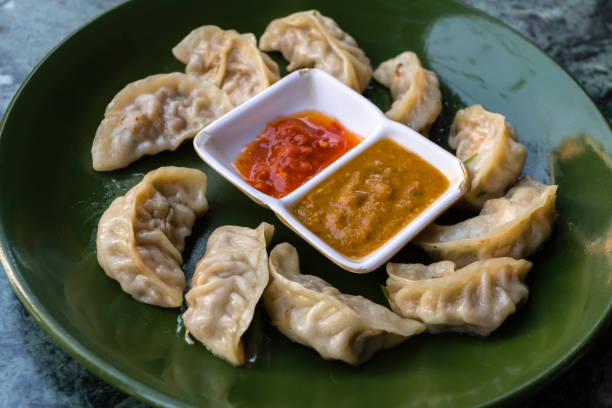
[[52, 200]]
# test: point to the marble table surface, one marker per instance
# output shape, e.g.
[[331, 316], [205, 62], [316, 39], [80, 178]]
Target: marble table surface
[[35, 372]]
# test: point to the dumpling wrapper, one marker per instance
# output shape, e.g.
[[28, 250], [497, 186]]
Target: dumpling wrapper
[[417, 100], [142, 234], [494, 157], [309, 311], [155, 114], [475, 299], [229, 60], [309, 39], [513, 226], [226, 286]]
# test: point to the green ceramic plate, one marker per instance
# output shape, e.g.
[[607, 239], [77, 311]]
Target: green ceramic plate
[[52, 200]]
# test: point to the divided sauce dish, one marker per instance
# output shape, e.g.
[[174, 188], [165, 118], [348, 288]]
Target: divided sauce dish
[[220, 143]]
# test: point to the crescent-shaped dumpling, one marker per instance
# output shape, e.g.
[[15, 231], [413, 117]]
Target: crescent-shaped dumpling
[[475, 299], [229, 60], [514, 226], [310, 311], [142, 234], [226, 286], [155, 114], [417, 100], [309, 39], [488, 145]]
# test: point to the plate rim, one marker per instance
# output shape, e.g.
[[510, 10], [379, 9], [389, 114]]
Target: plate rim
[[133, 387]]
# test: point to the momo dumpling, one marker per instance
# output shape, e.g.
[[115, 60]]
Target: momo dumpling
[[155, 114], [229, 60], [226, 286], [142, 234], [488, 145], [475, 299], [417, 100], [309, 39], [309, 311], [515, 226]]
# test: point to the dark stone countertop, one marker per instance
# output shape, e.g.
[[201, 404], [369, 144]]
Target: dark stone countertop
[[35, 372]]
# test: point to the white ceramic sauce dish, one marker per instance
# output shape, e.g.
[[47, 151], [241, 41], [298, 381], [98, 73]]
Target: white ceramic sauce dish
[[220, 143]]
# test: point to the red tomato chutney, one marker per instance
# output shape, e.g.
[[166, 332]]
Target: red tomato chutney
[[293, 149]]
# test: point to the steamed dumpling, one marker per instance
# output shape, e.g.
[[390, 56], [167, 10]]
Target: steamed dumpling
[[309, 311], [514, 226], [142, 234], [309, 39], [415, 91], [229, 60], [226, 286], [475, 299], [155, 114], [488, 143]]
